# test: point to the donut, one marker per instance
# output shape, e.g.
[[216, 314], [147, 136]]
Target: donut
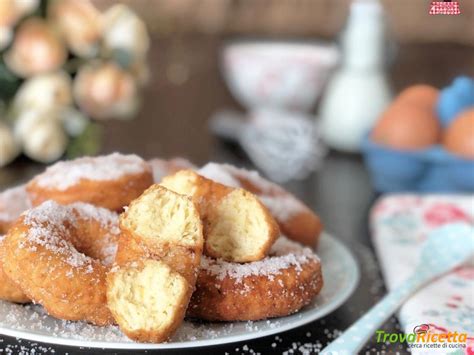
[[13, 202], [279, 285], [59, 255], [162, 167], [296, 220], [157, 263], [110, 181], [237, 227], [9, 291]]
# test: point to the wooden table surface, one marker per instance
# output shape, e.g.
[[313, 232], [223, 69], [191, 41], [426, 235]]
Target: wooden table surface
[[185, 90]]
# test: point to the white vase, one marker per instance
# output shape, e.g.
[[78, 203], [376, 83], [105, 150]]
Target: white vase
[[359, 91]]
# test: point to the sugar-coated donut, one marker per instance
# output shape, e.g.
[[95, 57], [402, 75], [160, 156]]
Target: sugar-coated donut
[[158, 260], [296, 220], [163, 167], [110, 181], [13, 202], [59, 255], [276, 286], [237, 226], [9, 291]]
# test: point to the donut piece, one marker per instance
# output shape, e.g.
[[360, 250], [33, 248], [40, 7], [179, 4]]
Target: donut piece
[[237, 227], [9, 291], [162, 167], [296, 220], [157, 261], [13, 202], [110, 181], [60, 255], [279, 285]]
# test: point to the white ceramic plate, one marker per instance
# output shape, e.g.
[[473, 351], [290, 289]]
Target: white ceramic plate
[[340, 272]]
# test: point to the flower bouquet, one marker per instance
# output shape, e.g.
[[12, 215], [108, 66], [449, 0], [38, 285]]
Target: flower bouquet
[[65, 66]]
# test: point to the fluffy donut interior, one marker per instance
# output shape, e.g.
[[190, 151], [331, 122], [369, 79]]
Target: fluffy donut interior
[[237, 226], [162, 216], [238, 229], [148, 297]]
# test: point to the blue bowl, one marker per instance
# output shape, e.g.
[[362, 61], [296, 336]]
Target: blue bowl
[[427, 170]]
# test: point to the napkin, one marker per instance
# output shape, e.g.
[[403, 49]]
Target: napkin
[[400, 224]]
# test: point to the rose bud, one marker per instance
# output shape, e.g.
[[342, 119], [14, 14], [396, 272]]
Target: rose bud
[[36, 49], [80, 23], [104, 90]]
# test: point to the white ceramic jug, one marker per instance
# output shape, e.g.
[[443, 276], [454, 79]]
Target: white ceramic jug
[[359, 91]]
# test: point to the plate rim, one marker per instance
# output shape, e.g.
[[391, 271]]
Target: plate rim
[[337, 302]]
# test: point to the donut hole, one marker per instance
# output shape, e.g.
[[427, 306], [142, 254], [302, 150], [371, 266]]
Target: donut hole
[[162, 216], [148, 298], [238, 229]]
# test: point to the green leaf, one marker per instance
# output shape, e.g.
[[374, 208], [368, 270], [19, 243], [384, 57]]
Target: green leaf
[[88, 142], [9, 83]]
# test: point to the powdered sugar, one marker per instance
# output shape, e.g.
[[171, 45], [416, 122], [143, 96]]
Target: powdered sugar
[[218, 173], [282, 205], [65, 174], [13, 202], [107, 219], [162, 167], [254, 178], [47, 227], [34, 319], [284, 254]]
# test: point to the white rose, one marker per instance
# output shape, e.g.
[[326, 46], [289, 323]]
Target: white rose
[[44, 91], [9, 147], [46, 142], [124, 30], [27, 120]]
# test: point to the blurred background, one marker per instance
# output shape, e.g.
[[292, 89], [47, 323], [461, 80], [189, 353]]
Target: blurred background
[[188, 36], [186, 75]]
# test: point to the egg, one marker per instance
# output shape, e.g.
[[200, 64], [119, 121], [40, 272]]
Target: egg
[[407, 126], [459, 136], [420, 95]]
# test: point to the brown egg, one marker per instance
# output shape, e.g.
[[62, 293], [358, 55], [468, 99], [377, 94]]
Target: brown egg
[[420, 95], [407, 126], [459, 136]]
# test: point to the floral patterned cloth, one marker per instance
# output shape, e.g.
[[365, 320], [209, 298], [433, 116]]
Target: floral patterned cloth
[[400, 224]]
